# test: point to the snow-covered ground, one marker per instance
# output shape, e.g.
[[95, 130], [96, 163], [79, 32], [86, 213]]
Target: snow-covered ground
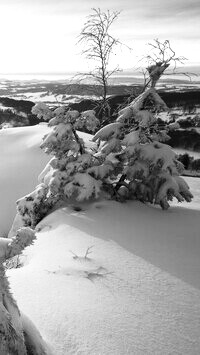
[[137, 292]]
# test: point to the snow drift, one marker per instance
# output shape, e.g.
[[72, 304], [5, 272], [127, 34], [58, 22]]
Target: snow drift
[[136, 292]]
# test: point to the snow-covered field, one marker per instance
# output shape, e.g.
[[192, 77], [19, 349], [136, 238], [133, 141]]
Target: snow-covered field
[[135, 292]]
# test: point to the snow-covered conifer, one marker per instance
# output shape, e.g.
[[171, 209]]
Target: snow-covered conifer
[[42, 111], [130, 161], [15, 337], [66, 175], [146, 167], [34, 206]]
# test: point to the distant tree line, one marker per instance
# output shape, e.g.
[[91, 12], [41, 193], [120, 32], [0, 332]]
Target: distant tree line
[[19, 105], [186, 139], [189, 162], [16, 113], [189, 121], [187, 100]]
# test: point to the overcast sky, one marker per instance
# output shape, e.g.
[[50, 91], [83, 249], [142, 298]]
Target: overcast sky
[[41, 35]]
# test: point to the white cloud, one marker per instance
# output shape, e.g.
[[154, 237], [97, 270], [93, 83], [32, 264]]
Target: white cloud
[[41, 35]]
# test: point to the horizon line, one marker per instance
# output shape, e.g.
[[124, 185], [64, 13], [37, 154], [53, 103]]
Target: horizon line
[[197, 65]]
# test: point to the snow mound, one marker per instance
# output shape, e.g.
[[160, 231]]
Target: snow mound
[[114, 279]]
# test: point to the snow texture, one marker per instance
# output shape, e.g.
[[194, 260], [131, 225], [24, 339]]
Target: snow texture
[[138, 104], [137, 292], [111, 130]]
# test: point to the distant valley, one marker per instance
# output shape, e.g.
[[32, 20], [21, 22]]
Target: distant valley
[[183, 99]]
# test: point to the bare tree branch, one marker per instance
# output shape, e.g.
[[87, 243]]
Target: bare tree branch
[[99, 45], [160, 58]]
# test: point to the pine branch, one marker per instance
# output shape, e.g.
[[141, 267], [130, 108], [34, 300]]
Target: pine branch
[[24, 237], [81, 145]]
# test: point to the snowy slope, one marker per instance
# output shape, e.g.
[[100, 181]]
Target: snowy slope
[[21, 161], [137, 292]]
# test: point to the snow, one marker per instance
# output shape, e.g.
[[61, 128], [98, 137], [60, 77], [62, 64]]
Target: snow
[[21, 161], [51, 98], [157, 151], [137, 104], [33, 338], [86, 184], [131, 138], [107, 131], [137, 291]]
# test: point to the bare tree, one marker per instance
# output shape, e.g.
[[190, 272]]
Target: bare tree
[[98, 46], [160, 58]]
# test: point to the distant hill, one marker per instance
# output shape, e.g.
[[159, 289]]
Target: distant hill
[[182, 99], [19, 110], [19, 105], [16, 112]]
